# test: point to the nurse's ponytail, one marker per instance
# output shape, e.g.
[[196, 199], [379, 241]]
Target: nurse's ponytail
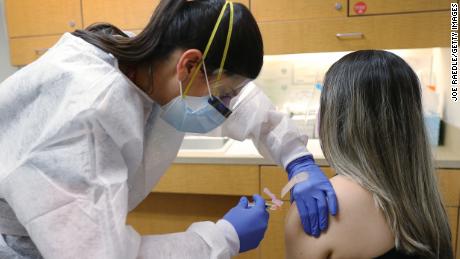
[[185, 24]]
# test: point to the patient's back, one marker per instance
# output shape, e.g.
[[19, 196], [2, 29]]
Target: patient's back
[[358, 231]]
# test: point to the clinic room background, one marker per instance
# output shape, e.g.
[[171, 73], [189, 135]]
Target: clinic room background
[[302, 40]]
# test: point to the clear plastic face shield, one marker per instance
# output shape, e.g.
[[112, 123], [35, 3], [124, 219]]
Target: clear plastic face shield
[[228, 87], [222, 86]]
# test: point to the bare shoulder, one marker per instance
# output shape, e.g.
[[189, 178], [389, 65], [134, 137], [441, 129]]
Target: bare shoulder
[[358, 231]]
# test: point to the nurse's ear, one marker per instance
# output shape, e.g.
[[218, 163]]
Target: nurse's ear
[[187, 63]]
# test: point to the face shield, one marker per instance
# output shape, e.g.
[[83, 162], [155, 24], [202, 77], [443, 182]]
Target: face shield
[[228, 87]]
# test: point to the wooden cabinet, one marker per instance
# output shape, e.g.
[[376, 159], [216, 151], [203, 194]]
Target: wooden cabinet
[[162, 213], [376, 7], [26, 50], [27, 18], [273, 246], [418, 30], [210, 179], [125, 14], [302, 26], [326, 29], [192, 192], [449, 182], [275, 10], [35, 25]]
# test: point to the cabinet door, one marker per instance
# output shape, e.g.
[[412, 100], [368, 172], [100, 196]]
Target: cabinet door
[[42, 17], [419, 30], [275, 10], [273, 245], [397, 6], [125, 14], [449, 185]]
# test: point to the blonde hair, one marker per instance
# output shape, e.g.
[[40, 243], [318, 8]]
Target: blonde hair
[[372, 131]]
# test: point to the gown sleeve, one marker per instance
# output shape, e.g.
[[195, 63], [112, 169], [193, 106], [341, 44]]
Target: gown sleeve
[[274, 134]]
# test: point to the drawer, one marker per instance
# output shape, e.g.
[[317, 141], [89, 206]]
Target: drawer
[[210, 179], [275, 178], [25, 50], [42, 17], [346, 34], [275, 10], [121, 13], [449, 184], [376, 7]]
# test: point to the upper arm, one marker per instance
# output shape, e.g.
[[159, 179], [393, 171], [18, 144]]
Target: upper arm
[[300, 245], [370, 235]]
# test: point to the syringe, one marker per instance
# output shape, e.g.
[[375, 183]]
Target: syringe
[[268, 205]]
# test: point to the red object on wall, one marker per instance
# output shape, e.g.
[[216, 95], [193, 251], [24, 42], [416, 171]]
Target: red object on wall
[[360, 7]]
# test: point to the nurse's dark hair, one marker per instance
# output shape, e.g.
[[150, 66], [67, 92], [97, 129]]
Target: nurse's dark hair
[[185, 24], [372, 131]]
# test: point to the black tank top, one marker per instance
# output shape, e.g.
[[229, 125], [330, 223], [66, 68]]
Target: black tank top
[[395, 254]]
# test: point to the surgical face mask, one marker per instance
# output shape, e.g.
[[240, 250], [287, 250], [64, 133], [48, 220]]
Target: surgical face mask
[[194, 114]]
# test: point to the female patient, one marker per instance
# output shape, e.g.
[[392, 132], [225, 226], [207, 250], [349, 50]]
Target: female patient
[[372, 133]]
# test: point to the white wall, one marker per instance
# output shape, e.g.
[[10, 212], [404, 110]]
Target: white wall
[[5, 67]]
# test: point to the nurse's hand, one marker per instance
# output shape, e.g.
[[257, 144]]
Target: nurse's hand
[[250, 223], [315, 197]]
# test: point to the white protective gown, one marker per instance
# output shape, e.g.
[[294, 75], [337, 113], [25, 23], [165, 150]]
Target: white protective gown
[[81, 146]]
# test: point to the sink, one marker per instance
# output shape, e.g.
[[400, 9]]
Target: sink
[[204, 143]]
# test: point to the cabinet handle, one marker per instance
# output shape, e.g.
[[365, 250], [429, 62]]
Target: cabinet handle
[[353, 35], [40, 52], [338, 6]]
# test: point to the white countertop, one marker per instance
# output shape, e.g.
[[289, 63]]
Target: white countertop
[[236, 152]]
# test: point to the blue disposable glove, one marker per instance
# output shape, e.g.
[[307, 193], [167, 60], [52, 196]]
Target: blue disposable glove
[[250, 223], [313, 197]]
